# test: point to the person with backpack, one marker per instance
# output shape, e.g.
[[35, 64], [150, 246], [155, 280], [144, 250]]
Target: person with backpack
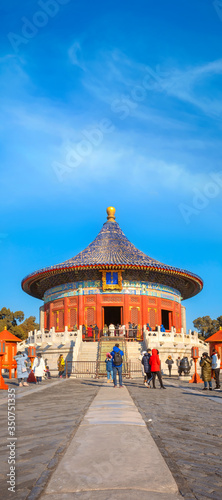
[[117, 361], [147, 367]]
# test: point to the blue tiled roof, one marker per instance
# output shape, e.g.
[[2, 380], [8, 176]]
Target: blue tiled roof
[[110, 248]]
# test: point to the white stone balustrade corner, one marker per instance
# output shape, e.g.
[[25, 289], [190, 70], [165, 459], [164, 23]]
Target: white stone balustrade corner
[[38, 337], [146, 338], [48, 338], [78, 342]]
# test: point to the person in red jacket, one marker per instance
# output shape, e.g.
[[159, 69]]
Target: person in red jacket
[[155, 368]]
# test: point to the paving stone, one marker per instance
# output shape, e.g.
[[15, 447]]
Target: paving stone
[[186, 425], [45, 422]]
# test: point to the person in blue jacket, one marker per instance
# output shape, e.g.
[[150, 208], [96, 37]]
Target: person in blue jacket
[[162, 329], [117, 361]]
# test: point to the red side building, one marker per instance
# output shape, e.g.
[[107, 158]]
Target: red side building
[[111, 281], [215, 342], [11, 341]]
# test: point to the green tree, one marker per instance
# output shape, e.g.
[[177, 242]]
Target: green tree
[[28, 325], [13, 323], [207, 326], [219, 319]]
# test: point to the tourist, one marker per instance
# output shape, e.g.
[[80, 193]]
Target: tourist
[[90, 331], [147, 367], [105, 330], [130, 329], [83, 330], [61, 365], [47, 372], [38, 368], [111, 330], [135, 327], [162, 329], [216, 368], [148, 327], [122, 330], [96, 332], [117, 362], [205, 363], [109, 367], [142, 367], [169, 362], [22, 374], [155, 368]]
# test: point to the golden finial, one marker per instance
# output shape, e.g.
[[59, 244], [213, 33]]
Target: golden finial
[[5, 328], [111, 214]]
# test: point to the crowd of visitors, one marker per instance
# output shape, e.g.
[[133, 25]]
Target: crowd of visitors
[[27, 372], [150, 362], [131, 330]]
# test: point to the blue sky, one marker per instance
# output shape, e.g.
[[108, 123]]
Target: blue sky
[[111, 103]]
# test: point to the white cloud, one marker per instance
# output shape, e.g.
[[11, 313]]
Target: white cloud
[[75, 55]]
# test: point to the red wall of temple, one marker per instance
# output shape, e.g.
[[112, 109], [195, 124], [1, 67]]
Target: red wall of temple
[[88, 310]]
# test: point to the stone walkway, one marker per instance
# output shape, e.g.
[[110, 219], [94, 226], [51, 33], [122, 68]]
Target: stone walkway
[[81, 439], [112, 456]]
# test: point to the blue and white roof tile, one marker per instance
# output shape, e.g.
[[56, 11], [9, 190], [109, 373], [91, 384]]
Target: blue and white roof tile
[[110, 248]]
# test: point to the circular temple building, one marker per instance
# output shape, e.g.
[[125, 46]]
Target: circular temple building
[[111, 281]]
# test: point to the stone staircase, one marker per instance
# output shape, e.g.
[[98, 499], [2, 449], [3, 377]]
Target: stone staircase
[[135, 350], [106, 345], [88, 351], [92, 355]]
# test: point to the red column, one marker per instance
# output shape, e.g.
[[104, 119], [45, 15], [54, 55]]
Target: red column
[[171, 319], [144, 310], [65, 312], [99, 318], [159, 318], [180, 321], [173, 315], [45, 317], [50, 315], [126, 311], [81, 309]]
